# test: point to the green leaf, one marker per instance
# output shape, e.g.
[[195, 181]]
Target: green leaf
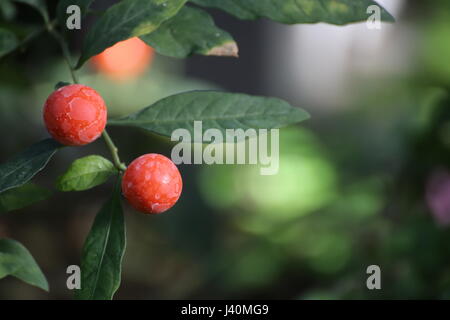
[[86, 173], [8, 42], [22, 196], [191, 31], [216, 110], [61, 9], [8, 10], [16, 261], [337, 12], [39, 5], [103, 252], [127, 19], [24, 166]]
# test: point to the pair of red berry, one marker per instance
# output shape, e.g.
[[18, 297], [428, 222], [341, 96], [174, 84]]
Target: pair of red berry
[[76, 115]]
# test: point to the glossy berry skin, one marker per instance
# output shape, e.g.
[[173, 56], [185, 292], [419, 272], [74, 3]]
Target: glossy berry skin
[[75, 115], [152, 183]]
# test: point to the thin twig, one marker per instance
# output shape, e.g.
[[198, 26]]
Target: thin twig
[[114, 151]]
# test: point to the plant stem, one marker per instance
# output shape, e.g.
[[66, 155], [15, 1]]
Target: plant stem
[[65, 49], [114, 151], [66, 53]]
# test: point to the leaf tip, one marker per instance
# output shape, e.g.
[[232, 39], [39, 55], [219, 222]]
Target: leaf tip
[[44, 286], [228, 49]]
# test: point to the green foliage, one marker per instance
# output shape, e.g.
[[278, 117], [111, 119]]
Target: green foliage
[[8, 42], [16, 261], [337, 12], [191, 31], [39, 5], [174, 30], [127, 19], [217, 110], [307, 179], [86, 173], [20, 169], [103, 251], [7, 10], [22, 196], [436, 51]]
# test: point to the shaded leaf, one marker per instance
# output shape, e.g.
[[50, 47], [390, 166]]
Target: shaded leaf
[[22, 196], [216, 110], [86, 173], [25, 165], [191, 31], [39, 5], [337, 12], [16, 261], [8, 10], [124, 20], [8, 42], [101, 262]]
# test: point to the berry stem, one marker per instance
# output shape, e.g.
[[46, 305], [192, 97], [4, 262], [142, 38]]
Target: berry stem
[[65, 49], [114, 151], [66, 53]]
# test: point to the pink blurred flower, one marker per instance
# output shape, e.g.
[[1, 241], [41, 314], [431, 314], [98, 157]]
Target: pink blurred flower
[[438, 196]]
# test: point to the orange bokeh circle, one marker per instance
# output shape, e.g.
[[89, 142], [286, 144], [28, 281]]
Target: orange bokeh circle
[[125, 60]]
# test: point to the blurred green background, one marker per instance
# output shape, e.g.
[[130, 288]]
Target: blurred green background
[[365, 181]]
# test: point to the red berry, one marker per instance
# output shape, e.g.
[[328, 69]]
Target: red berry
[[75, 115], [152, 183]]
